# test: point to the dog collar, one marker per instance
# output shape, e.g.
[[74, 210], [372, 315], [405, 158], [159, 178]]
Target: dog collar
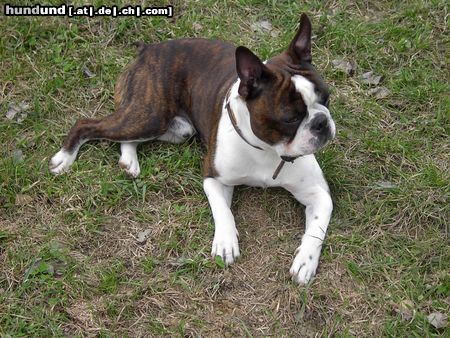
[[234, 121], [241, 135]]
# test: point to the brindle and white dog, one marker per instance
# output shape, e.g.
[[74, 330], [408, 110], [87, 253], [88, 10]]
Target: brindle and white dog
[[261, 124]]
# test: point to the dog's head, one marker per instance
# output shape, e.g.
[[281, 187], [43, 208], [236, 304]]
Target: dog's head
[[286, 97]]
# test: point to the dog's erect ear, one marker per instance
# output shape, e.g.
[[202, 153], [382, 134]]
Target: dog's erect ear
[[250, 69], [300, 47]]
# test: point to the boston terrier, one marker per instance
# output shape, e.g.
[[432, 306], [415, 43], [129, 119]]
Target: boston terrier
[[261, 123]]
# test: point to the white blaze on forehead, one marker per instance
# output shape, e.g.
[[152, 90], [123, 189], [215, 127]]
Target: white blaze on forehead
[[305, 88], [303, 142]]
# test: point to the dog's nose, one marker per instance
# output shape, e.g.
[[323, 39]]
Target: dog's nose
[[319, 124], [289, 158]]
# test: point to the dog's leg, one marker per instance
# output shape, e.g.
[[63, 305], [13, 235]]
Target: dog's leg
[[318, 210], [64, 158], [122, 126], [228, 192], [225, 243]]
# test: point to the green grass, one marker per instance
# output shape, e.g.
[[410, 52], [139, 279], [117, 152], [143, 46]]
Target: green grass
[[69, 260]]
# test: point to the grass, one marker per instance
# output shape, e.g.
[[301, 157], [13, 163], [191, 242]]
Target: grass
[[70, 262]]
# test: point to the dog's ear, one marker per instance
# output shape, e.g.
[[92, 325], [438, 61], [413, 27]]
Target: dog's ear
[[300, 47], [250, 70]]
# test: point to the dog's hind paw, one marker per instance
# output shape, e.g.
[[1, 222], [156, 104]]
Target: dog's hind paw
[[129, 160], [130, 165], [305, 264], [61, 161]]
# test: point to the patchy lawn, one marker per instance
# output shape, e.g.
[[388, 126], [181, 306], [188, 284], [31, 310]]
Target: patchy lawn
[[70, 262]]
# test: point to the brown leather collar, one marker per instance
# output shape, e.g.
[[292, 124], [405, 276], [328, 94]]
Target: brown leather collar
[[239, 132], [234, 121]]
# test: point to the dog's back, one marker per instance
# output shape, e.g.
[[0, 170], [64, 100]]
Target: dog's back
[[183, 78]]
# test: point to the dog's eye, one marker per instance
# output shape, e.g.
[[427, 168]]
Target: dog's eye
[[292, 120]]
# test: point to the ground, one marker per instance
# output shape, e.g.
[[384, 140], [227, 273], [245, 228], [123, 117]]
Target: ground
[[70, 259]]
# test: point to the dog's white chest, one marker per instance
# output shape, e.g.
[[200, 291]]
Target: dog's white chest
[[238, 162], [238, 169]]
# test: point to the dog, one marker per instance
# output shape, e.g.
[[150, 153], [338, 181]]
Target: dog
[[261, 123]]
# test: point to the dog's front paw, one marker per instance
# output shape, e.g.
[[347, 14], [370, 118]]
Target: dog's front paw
[[305, 264], [61, 161], [226, 246]]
